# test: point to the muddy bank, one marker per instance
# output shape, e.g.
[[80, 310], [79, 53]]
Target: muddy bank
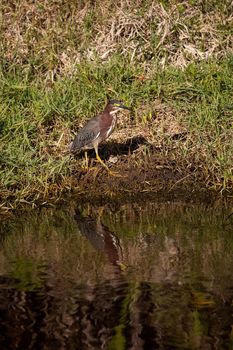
[[152, 176], [145, 165], [141, 171]]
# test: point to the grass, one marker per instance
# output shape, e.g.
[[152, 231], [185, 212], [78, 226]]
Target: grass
[[60, 62]]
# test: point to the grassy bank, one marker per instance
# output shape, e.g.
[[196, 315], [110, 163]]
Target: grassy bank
[[57, 71]]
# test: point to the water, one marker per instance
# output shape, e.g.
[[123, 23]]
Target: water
[[154, 275]]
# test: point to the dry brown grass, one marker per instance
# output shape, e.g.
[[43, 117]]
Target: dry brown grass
[[175, 35], [54, 36]]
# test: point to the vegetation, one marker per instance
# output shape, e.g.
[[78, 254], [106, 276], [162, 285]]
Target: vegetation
[[60, 61]]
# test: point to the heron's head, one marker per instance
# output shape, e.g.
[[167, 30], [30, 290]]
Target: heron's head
[[116, 105]]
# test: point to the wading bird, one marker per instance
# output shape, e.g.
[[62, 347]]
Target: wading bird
[[97, 130]]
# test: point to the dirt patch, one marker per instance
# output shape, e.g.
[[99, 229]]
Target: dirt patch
[[137, 177], [137, 173]]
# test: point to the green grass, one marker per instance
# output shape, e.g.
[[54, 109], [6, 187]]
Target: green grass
[[55, 74], [34, 117]]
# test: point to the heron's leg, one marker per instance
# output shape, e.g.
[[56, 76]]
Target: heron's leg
[[104, 165], [99, 159], [86, 159]]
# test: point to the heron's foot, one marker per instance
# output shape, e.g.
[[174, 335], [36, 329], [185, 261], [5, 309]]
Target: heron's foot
[[122, 267], [115, 173], [88, 168], [85, 165], [110, 172]]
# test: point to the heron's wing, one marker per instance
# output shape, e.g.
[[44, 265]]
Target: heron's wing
[[86, 135]]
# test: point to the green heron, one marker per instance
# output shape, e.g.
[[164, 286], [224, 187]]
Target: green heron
[[98, 129]]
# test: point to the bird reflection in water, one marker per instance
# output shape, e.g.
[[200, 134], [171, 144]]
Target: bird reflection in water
[[101, 238]]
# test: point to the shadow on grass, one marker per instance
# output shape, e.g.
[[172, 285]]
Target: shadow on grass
[[115, 149]]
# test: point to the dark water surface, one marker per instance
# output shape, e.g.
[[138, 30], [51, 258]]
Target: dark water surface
[[156, 275]]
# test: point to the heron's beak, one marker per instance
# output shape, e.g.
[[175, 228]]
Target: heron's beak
[[125, 107]]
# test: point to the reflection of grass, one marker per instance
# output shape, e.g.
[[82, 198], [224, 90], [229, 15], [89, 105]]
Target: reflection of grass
[[118, 340], [157, 240], [49, 86], [47, 246], [27, 272]]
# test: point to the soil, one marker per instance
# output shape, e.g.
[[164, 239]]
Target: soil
[[136, 174]]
